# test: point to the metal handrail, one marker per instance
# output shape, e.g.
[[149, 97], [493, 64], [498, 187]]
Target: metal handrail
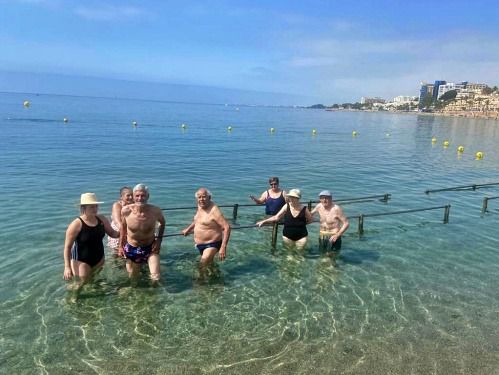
[[463, 187], [486, 201], [384, 198], [362, 216]]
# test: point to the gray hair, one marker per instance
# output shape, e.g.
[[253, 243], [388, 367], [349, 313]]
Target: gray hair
[[207, 192], [141, 187]]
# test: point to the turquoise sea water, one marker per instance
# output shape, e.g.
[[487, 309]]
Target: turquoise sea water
[[412, 295]]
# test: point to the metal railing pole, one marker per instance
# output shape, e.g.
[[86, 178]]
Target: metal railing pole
[[274, 234], [310, 205], [234, 211], [484, 204], [361, 225], [446, 214]]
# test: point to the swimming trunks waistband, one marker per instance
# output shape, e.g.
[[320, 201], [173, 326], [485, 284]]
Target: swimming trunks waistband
[[327, 233], [137, 254]]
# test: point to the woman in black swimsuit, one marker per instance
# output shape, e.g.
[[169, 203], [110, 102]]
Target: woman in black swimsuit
[[296, 217], [83, 248]]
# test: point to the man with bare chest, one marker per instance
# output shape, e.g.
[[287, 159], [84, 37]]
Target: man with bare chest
[[138, 241], [333, 223], [211, 229]]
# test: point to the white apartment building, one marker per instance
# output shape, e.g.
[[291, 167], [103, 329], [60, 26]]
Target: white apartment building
[[461, 87], [366, 100], [402, 99]]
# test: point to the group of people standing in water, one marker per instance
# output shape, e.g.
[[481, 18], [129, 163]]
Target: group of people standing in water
[[136, 229]]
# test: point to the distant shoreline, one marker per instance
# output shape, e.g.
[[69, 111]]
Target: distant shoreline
[[488, 115]]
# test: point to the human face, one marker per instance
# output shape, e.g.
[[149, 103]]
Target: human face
[[140, 196], [326, 200], [90, 209], [274, 185], [127, 196], [203, 198]]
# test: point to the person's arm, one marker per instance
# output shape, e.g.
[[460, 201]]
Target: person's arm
[[108, 228], [315, 209], [220, 219], [274, 218], [188, 230], [308, 216], [261, 200], [116, 214], [123, 230], [71, 233], [156, 247], [344, 224]]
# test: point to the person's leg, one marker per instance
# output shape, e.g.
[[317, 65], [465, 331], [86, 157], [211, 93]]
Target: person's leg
[[83, 271], [153, 262], [132, 268], [335, 250], [288, 243], [208, 255], [301, 243]]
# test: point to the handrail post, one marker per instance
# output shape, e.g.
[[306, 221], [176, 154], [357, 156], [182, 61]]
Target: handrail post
[[310, 205], [385, 198], [234, 212], [274, 234], [361, 225], [446, 214], [484, 204]]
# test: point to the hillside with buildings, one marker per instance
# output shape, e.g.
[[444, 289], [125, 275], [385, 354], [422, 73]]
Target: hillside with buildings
[[441, 97]]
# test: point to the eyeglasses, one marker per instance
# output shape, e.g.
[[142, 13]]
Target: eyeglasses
[[274, 184]]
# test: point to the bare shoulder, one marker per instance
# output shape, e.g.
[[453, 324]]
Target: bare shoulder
[[337, 209], [75, 225], [215, 210]]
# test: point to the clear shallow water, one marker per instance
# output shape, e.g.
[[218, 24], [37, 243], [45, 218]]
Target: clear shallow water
[[410, 296]]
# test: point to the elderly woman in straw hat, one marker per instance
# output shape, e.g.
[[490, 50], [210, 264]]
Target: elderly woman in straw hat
[[83, 248], [296, 217]]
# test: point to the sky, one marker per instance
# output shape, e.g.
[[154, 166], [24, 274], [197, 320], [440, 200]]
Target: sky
[[315, 51]]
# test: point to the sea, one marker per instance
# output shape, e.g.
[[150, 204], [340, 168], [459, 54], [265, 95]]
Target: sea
[[410, 295]]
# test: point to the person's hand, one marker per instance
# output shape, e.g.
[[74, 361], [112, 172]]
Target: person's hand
[[185, 232], [221, 254], [260, 223], [121, 253], [68, 274], [333, 238]]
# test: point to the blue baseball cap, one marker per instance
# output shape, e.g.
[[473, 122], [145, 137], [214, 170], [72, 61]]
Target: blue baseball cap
[[325, 193]]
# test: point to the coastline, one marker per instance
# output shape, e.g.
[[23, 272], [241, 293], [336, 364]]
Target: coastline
[[487, 115]]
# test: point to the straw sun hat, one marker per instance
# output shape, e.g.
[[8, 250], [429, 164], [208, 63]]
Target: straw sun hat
[[88, 198], [294, 193]]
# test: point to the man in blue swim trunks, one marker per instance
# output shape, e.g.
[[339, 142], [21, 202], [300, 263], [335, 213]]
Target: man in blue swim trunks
[[138, 243], [211, 229]]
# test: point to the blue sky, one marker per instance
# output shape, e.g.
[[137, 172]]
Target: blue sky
[[331, 51]]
